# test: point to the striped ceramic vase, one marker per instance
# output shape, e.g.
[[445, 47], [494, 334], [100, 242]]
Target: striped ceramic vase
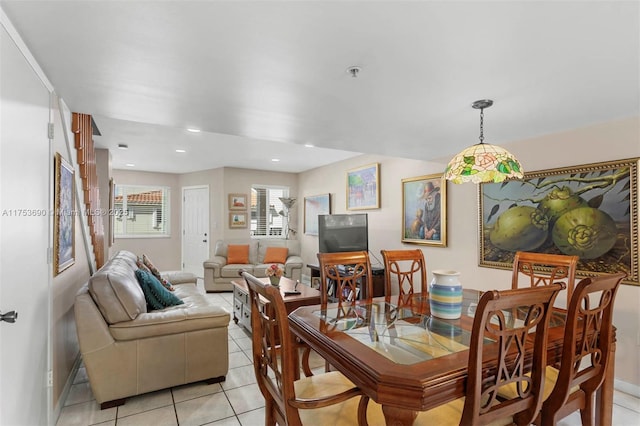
[[445, 294]]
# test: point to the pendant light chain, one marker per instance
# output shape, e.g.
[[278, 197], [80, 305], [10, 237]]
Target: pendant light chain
[[481, 125]]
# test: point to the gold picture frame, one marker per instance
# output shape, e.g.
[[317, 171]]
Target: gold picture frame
[[363, 187], [237, 220], [237, 202], [424, 210], [64, 219], [588, 210]]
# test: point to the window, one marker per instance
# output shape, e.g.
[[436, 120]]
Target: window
[[266, 208], [141, 211]]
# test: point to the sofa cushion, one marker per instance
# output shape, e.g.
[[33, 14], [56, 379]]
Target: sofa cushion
[[238, 254], [116, 291], [276, 255], [233, 270], [197, 313], [156, 295], [156, 273]]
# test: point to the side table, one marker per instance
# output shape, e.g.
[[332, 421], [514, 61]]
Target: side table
[[376, 271], [242, 305]]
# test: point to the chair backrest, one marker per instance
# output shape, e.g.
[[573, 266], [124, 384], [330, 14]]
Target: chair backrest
[[342, 274], [545, 269], [274, 361], [503, 363], [405, 267], [587, 342]]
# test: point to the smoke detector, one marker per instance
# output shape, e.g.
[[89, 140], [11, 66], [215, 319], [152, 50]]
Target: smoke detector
[[353, 71]]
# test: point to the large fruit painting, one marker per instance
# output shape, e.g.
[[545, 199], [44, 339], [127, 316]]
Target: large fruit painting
[[590, 211]]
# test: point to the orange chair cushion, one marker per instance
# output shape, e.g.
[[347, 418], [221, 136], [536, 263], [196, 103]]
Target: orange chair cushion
[[276, 255], [238, 254]]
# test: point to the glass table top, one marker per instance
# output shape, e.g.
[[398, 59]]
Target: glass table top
[[398, 333], [407, 334]]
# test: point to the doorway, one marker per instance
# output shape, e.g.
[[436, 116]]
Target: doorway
[[195, 229]]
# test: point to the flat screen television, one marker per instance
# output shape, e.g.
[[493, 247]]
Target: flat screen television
[[343, 232]]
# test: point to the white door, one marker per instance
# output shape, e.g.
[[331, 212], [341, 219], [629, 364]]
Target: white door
[[195, 229], [25, 275]]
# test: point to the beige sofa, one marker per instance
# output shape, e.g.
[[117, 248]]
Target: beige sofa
[[218, 274], [128, 350]]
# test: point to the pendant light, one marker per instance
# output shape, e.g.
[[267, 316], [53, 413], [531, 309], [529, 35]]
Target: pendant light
[[483, 162]]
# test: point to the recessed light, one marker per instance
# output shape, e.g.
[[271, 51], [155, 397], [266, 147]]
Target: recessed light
[[275, 160], [181, 150], [123, 146], [192, 130], [130, 165]]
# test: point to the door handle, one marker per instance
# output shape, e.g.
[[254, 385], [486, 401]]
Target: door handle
[[204, 241], [10, 316]]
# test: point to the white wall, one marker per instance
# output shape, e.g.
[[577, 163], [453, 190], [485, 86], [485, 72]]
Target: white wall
[[607, 142]]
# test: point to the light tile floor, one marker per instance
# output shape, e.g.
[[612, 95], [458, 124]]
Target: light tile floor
[[234, 402]]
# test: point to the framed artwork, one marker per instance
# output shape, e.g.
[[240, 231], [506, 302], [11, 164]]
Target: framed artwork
[[237, 201], [314, 206], [237, 220], [424, 210], [315, 283], [363, 188], [64, 226], [590, 211]]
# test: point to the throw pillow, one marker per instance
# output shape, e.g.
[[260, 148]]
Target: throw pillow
[[238, 254], [140, 264], [156, 295], [276, 255], [156, 273]]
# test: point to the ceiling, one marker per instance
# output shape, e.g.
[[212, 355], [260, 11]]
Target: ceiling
[[261, 79]]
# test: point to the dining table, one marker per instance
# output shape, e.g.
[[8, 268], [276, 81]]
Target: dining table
[[407, 360]]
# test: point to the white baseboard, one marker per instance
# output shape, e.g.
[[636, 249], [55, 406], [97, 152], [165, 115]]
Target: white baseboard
[[65, 391], [628, 388]]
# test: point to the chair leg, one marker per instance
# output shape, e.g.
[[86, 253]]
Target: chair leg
[[306, 352], [586, 413], [362, 411]]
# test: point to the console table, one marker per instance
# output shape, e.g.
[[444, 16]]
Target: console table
[[376, 271], [242, 304]]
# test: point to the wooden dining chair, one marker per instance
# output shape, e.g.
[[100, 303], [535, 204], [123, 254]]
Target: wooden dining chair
[[586, 351], [544, 269], [499, 351], [327, 399], [343, 275], [407, 268]]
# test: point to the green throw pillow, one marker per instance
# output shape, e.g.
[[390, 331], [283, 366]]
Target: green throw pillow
[[156, 295]]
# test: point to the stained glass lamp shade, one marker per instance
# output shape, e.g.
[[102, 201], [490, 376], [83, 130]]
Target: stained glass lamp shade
[[483, 162]]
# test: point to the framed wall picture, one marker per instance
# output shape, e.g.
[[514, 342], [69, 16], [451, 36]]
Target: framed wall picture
[[237, 220], [424, 210], [314, 206], [590, 211], [237, 201], [363, 187], [64, 223]]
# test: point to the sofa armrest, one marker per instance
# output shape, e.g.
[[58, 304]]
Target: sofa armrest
[[93, 331], [216, 263], [179, 277], [293, 267]]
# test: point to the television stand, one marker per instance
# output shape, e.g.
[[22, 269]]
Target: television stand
[[376, 271]]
